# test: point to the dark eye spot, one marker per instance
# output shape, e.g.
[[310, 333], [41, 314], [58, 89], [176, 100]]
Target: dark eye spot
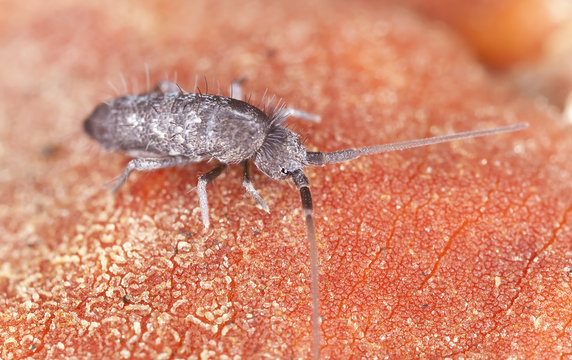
[[284, 171]]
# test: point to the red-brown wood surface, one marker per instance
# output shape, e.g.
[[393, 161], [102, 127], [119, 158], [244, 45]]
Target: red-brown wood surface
[[461, 249]]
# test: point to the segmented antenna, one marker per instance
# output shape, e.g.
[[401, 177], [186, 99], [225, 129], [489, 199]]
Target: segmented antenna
[[303, 185], [319, 158]]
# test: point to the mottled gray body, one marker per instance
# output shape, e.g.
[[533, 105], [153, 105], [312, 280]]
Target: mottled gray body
[[194, 126], [167, 127]]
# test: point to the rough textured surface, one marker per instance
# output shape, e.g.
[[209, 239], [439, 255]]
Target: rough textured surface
[[461, 249]]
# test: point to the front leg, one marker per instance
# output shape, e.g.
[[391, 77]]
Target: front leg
[[143, 164], [247, 183]]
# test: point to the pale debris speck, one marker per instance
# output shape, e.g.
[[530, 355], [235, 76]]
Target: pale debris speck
[[164, 319], [137, 327], [125, 354], [206, 326], [207, 285], [139, 307], [115, 270], [207, 354]]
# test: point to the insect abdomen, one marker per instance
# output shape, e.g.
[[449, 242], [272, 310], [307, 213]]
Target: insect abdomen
[[190, 125]]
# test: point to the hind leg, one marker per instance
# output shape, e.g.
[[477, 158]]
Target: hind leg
[[302, 114], [145, 164], [166, 87], [236, 93], [236, 89]]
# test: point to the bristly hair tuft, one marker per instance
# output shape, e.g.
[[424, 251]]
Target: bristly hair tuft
[[273, 108], [273, 140]]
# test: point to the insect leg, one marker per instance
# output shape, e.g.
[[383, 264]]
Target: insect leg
[[247, 183], [202, 190], [166, 87], [142, 164], [237, 93], [302, 114], [236, 88]]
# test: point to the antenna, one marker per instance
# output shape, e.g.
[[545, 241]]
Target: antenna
[[319, 158]]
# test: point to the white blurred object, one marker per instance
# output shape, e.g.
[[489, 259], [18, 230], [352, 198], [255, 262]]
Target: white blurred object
[[567, 111]]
